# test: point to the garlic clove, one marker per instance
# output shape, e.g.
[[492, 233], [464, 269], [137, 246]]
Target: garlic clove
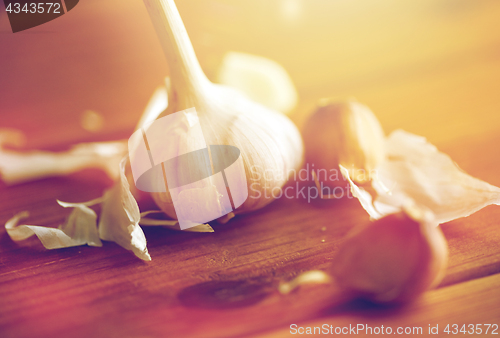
[[393, 259], [79, 229], [344, 133], [18, 167], [267, 139], [263, 80], [120, 216]]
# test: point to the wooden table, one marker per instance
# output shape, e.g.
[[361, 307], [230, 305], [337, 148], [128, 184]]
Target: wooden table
[[431, 67]]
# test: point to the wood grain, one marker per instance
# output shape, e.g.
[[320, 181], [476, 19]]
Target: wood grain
[[431, 310], [430, 67]]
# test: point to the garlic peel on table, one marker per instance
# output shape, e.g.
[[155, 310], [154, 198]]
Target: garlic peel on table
[[79, 228], [416, 170], [120, 216]]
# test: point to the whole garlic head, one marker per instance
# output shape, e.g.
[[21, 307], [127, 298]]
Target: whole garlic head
[[393, 259], [268, 140], [344, 133]]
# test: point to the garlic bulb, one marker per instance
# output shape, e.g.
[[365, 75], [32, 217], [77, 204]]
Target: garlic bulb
[[268, 141], [344, 133], [393, 259]]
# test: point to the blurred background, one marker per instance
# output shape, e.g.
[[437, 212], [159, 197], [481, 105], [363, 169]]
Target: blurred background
[[431, 67]]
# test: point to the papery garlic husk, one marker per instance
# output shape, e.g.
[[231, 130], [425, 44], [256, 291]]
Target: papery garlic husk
[[120, 217], [268, 140], [416, 170], [80, 228], [343, 133], [394, 259]]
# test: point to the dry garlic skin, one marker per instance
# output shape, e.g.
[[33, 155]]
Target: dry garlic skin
[[344, 133], [391, 260]]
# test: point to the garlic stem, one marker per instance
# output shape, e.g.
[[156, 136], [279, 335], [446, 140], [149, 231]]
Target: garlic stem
[[185, 69]]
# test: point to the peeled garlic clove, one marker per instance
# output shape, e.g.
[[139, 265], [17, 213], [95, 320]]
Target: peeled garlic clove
[[261, 79], [393, 259], [344, 133], [267, 139]]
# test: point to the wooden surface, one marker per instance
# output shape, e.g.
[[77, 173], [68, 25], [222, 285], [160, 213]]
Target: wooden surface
[[431, 67]]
